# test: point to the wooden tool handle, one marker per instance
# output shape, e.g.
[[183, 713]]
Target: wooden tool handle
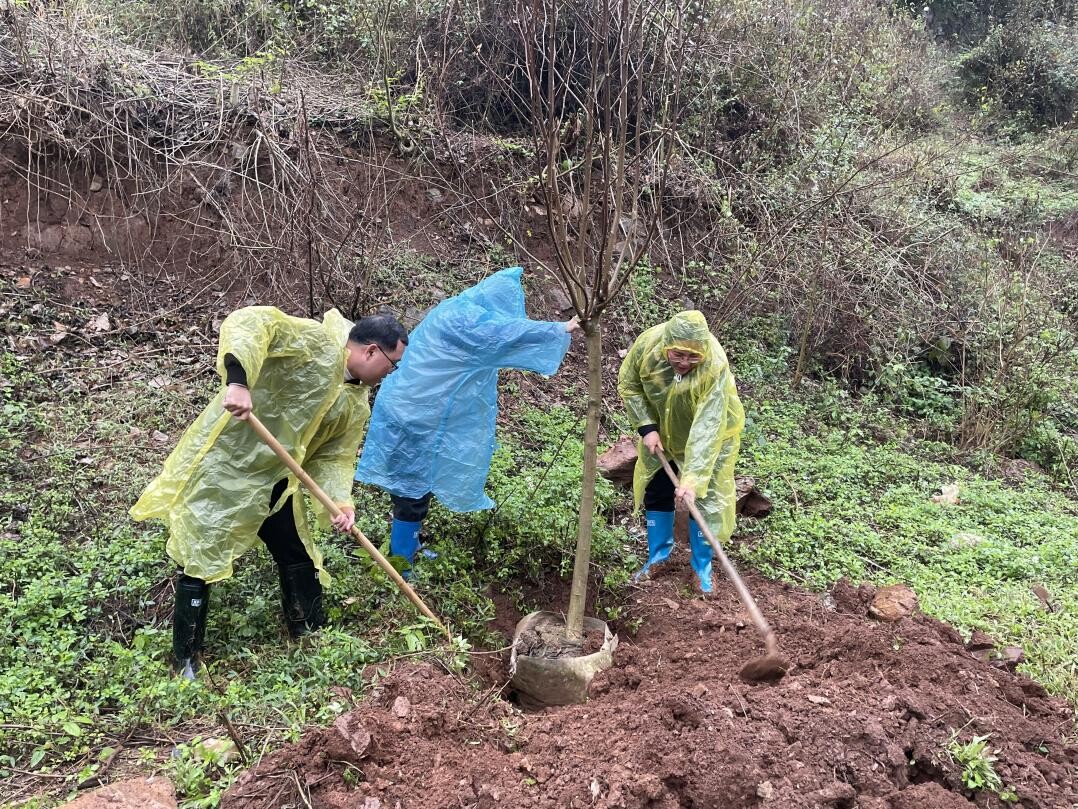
[[333, 509], [731, 573]]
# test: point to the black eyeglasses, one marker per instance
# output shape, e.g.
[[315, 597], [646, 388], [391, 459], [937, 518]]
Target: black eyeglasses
[[392, 361]]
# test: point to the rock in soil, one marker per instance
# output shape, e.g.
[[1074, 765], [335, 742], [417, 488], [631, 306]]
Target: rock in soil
[[859, 721], [618, 462], [893, 603]]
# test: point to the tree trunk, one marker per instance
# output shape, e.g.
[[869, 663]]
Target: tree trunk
[[574, 623]]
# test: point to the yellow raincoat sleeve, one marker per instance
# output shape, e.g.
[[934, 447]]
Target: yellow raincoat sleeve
[[332, 463], [631, 387], [707, 436], [247, 334]]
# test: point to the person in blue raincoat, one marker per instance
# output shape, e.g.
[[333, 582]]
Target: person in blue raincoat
[[432, 427]]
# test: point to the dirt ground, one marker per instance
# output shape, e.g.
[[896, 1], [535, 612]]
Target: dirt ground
[[863, 719]]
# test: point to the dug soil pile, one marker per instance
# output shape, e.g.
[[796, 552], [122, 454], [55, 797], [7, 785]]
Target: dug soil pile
[[863, 719]]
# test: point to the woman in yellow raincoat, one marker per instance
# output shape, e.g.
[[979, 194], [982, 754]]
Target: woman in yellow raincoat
[[222, 489], [679, 391]]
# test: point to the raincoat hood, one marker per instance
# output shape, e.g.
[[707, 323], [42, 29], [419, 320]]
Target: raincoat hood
[[688, 331], [499, 294]]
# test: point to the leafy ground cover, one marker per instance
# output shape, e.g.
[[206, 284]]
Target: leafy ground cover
[[855, 489], [87, 593]]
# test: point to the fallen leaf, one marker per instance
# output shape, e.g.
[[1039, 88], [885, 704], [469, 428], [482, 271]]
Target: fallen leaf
[[160, 437], [99, 323], [1043, 596], [23, 282]]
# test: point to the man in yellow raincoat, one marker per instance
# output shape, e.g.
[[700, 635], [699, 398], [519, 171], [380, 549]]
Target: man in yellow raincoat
[[222, 489], [679, 391]]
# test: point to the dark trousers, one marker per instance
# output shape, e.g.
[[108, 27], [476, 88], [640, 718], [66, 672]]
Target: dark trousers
[[659, 494], [410, 509], [278, 531]]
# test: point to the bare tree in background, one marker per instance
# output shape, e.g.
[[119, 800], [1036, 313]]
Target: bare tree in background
[[603, 81]]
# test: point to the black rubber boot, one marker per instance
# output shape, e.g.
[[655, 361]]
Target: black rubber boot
[[189, 625], [301, 598]]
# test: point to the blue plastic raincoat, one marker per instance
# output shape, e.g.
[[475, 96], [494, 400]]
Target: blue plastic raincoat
[[432, 429], [215, 488]]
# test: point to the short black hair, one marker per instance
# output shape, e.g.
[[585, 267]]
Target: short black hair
[[384, 330]]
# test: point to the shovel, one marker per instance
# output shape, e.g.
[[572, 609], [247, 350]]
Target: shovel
[[324, 499], [771, 667]]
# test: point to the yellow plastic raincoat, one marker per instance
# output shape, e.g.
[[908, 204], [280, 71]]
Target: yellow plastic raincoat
[[215, 488], [699, 415]]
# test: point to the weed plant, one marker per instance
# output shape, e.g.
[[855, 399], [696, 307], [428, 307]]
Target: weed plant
[[87, 594], [978, 762]]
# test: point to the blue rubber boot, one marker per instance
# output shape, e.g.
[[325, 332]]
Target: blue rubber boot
[[660, 539], [404, 541], [701, 555]]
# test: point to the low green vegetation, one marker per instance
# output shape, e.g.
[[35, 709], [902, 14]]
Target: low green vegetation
[[854, 489], [977, 763], [87, 594]]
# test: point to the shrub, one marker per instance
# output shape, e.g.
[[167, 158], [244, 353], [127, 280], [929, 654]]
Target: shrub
[[1028, 70], [358, 33], [969, 21]]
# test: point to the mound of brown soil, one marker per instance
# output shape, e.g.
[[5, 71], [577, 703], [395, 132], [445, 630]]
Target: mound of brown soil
[[863, 719]]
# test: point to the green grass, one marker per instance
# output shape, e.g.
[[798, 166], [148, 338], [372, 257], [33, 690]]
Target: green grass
[[853, 491], [87, 593]]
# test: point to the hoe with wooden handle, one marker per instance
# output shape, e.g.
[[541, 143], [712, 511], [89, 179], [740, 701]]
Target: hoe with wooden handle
[[771, 667], [324, 499]]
